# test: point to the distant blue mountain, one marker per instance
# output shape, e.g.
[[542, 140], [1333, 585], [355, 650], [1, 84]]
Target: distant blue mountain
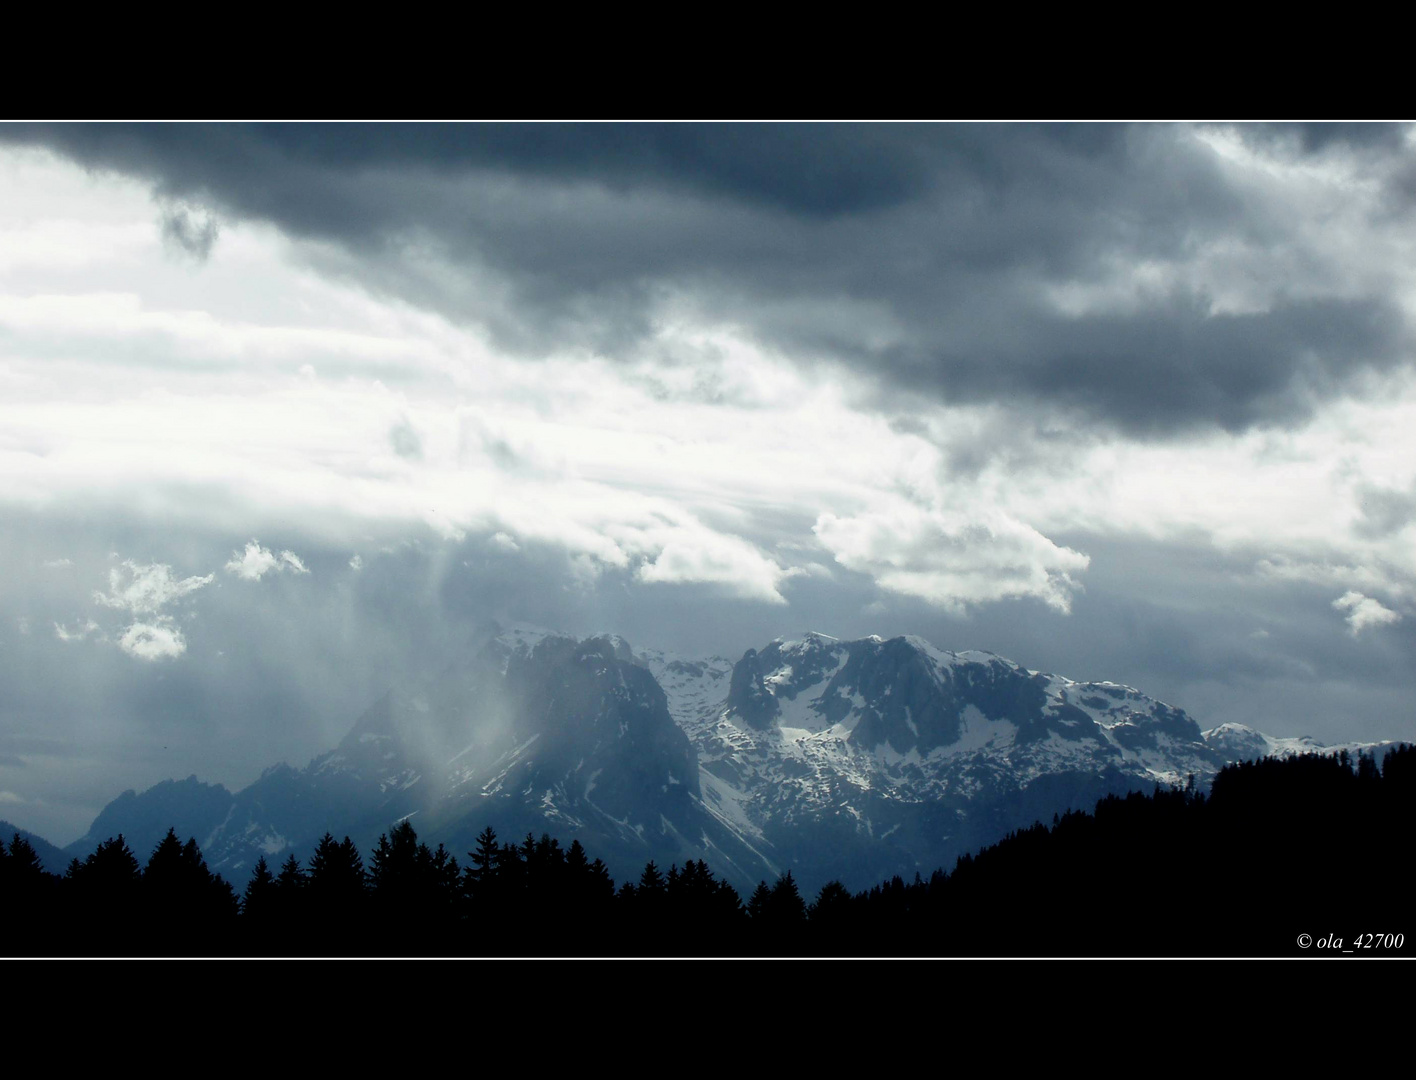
[[52, 858]]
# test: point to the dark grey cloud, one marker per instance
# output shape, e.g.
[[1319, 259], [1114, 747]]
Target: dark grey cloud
[[190, 233], [1180, 362], [406, 441], [918, 255], [1317, 137], [809, 169]]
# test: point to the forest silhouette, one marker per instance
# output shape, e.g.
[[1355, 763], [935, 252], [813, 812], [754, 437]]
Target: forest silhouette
[[1279, 851]]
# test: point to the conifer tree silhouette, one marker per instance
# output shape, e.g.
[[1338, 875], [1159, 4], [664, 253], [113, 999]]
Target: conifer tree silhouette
[[105, 887], [21, 861], [185, 905], [258, 901], [651, 882], [290, 905], [336, 893], [28, 896], [292, 877], [482, 864], [414, 889], [830, 912], [757, 903], [393, 866]]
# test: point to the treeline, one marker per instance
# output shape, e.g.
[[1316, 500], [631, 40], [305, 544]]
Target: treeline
[[1280, 856], [1309, 845]]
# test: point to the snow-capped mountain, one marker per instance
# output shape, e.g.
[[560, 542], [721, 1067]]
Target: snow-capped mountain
[[860, 759], [835, 759]]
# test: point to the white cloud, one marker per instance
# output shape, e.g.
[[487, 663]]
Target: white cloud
[[23, 624], [1363, 612], [57, 564], [129, 384], [10, 797], [356, 563], [145, 589], [255, 562], [952, 559], [142, 590], [709, 558], [160, 639], [79, 632]]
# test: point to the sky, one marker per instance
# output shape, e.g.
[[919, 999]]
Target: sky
[[289, 414]]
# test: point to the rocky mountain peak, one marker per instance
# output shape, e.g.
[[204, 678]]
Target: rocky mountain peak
[[748, 696]]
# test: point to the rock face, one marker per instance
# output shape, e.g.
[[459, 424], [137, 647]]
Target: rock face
[[590, 752], [748, 696], [862, 759], [867, 758], [854, 760]]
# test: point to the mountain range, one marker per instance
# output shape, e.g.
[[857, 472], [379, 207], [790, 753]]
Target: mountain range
[[848, 760]]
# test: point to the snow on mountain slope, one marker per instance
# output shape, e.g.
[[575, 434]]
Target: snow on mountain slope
[[905, 718], [1237, 742]]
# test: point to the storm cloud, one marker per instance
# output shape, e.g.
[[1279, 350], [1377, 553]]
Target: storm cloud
[[1151, 278]]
